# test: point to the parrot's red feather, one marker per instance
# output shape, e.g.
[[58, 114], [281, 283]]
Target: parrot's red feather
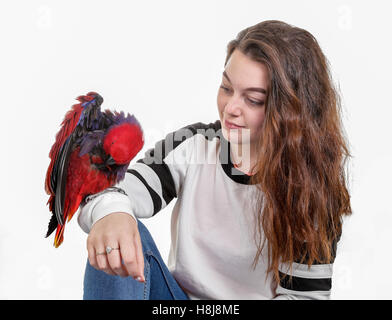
[[129, 137]]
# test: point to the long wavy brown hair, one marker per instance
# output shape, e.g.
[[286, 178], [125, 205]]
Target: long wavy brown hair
[[302, 151]]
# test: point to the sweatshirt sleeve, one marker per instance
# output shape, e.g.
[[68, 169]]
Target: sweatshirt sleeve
[[149, 185], [312, 283], [308, 283]]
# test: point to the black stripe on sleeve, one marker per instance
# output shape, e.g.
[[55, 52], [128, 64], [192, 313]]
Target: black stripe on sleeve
[[304, 284], [166, 180], [156, 199]]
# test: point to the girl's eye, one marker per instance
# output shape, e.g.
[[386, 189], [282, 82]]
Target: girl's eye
[[224, 88], [254, 102], [259, 103]]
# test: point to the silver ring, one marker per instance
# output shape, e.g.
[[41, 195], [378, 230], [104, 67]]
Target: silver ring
[[108, 249]]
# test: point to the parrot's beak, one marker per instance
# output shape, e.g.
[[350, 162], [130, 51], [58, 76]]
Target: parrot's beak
[[110, 161]]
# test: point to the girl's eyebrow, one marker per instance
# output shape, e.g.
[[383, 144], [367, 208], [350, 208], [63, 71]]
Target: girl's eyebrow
[[261, 90]]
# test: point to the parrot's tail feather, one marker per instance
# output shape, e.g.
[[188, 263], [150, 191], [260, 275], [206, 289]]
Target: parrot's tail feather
[[59, 237], [74, 206], [52, 225], [69, 209]]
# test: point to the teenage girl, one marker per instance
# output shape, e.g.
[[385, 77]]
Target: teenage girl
[[261, 192]]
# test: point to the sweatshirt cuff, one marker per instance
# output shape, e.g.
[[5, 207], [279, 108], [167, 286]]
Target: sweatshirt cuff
[[102, 206]]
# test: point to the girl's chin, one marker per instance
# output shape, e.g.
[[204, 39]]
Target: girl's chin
[[236, 136], [238, 131]]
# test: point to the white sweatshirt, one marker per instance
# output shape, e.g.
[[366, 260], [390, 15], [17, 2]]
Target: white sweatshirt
[[212, 222]]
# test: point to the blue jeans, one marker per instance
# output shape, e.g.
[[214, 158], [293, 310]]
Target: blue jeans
[[159, 285]]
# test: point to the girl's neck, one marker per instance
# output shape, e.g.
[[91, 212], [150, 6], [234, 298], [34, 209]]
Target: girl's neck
[[241, 157]]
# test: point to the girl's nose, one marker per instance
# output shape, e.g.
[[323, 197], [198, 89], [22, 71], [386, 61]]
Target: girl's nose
[[233, 106]]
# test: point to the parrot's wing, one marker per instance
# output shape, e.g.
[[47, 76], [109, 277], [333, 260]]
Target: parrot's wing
[[68, 125], [59, 178]]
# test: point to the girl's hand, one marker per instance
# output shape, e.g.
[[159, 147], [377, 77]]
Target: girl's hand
[[116, 230]]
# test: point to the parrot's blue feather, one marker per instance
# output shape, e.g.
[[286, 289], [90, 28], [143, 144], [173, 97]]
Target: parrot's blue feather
[[121, 173], [120, 118], [90, 140], [86, 147]]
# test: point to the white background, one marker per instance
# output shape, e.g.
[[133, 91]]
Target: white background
[[162, 61]]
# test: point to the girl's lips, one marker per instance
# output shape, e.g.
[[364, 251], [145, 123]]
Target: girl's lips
[[231, 125]]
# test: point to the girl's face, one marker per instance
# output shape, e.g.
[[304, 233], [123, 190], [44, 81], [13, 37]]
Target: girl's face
[[241, 98]]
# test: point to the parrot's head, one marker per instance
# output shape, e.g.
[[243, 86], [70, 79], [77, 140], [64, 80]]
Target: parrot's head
[[122, 142]]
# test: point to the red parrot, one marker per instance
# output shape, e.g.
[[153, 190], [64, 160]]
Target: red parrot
[[92, 152]]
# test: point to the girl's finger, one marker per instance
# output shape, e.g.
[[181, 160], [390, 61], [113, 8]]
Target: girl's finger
[[102, 260], [139, 255], [128, 256], [92, 258], [114, 260]]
